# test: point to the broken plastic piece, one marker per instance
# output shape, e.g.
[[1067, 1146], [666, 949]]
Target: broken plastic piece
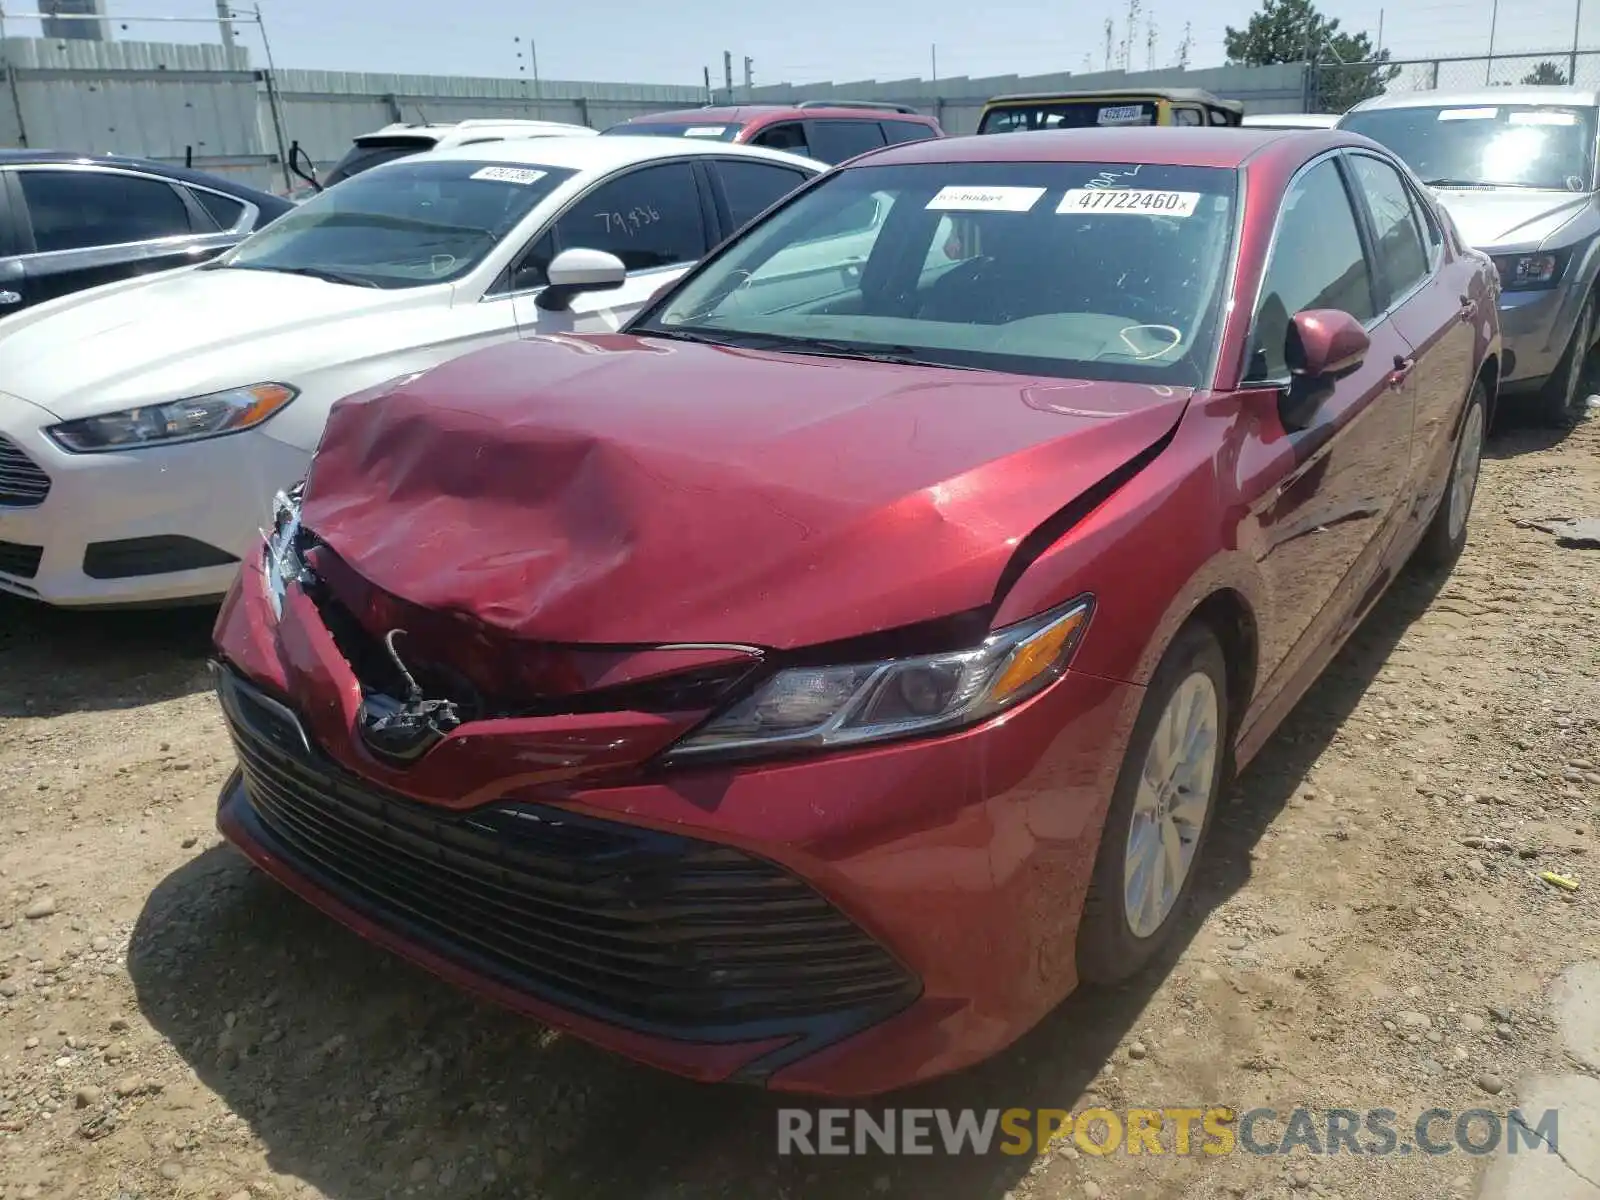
[[1560, 881]]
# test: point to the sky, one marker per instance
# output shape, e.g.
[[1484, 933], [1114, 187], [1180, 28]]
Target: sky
[[842, 40]]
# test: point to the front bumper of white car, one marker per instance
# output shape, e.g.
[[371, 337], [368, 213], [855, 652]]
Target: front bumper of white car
[[160, 525]]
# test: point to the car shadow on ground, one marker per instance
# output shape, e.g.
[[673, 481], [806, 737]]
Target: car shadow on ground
[[368, 1078], [57, 661]]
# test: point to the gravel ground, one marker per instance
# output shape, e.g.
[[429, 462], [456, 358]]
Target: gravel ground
[[1370, 931]]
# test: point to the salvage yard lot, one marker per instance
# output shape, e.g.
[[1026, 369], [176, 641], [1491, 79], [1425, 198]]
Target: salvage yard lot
[[173, 1024]]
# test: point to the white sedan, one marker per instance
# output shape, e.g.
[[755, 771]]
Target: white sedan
[[145, 425]]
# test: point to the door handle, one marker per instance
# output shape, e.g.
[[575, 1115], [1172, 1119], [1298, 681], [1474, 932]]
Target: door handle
[[1402, 370], [1469, 308], [10, 298]]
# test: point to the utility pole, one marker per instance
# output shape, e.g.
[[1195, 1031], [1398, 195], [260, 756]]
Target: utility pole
[[1108, 43], [1129, 34], [727, 73], [1150, 47], [708, 84], [933, 61], [1185, 46], [225, 20], [1577, 24], [749, 75]]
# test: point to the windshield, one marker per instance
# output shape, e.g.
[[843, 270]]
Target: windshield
[[1505, 145], [1066, 114], [414, 223], [1093, 271], [711, 131]]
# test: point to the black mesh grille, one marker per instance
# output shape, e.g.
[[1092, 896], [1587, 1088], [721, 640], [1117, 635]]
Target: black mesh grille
[[19, 560], [648, 930], [22, 484]]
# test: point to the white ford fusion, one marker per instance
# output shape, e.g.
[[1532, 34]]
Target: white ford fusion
[[145, 425]]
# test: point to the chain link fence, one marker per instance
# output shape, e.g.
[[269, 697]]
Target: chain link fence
[[1334, 87]]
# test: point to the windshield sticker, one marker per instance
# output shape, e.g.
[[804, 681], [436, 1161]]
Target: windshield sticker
[[1542, 118], [953, 198], [522, 175], [1142, 201], [1468, 114], [705, 131], [1122, 114]]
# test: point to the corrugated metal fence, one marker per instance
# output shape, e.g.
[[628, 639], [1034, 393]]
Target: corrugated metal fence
[[211, 106]]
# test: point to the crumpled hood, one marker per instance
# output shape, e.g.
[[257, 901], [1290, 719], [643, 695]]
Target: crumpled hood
[[619, 490], [174, 334], [1490, 219]]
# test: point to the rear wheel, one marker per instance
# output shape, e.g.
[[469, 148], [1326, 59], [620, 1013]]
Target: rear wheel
[[1566, 393], [1447, 534], [1160, 812]]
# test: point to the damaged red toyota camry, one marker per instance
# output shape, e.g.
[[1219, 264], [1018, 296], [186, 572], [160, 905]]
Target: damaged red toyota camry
[[812, 683]]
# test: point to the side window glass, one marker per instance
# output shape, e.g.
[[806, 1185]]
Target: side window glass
[[1316, 261], [753, 187], [895, 132], [835, 141], [1186, 116], [76, 210], [647, 218], [1401, 259], [790, 137], [222, 209]]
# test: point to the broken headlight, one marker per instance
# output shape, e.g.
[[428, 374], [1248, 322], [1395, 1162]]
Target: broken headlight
[[282, 563], [828, 707]]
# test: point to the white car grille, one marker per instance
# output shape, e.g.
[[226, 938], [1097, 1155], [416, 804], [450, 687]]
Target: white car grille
[[22, 483]]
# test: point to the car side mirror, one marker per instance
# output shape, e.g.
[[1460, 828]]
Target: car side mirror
[[1322, 346], [576, 271]]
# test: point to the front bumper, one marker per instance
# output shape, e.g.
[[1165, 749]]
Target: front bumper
[[1535, 327], [900, 912], [159, 525]]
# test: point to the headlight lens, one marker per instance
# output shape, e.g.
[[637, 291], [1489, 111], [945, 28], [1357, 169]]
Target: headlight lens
[[1527, 272], [180, 421], [282, 562], [826, 707]]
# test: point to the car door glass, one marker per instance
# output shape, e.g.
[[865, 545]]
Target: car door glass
[[1186, 116], [1316, 262], [895, 132], [76, 210], [790, 136], [648, 218], [753, 187], [835, 141], [224, 210], [1402, 261]]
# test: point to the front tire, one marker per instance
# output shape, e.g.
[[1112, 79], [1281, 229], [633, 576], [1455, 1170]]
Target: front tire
[[1160, 813], [1565, 394], [1447, 533]]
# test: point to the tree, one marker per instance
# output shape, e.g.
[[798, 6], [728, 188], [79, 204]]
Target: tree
[[1546, 73], [1346, 68]]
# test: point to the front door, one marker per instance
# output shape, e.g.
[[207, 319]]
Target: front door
[[1319, 530], [656, 219]]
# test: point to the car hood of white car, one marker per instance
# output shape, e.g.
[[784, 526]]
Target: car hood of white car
[[201, 330], [1491, 218]]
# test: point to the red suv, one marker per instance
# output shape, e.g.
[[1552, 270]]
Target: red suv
[[828, 130]]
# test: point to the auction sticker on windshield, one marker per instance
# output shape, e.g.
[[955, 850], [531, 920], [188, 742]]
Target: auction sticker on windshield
[[1122, 114], [1468, 114], [985, 199], [704, 131], [1145, 201], [509, 174]]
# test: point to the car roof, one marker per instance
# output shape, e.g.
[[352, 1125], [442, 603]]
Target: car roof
[[1526, 94], [476, 125], [1168, 145], [604, 153], [865, 111], [217, 183], [1191, 95]]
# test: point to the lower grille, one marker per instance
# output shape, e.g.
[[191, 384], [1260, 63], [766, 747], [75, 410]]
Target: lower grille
[[654, 932], [134, 558], [19, 560], [22, 483]]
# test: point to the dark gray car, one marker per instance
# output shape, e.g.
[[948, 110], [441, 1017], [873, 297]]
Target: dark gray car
[[1515, 169], [70, 222]]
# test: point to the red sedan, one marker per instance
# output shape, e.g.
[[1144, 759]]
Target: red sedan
[[812, 683]]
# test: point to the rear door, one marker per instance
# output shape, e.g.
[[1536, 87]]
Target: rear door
[[1318, 532], [81, 227], [659, 219], [833, 140], [1427, 305]]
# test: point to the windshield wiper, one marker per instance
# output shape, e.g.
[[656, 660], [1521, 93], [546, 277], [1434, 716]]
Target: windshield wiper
[[1487, 183], [905, 356], [326, 274]]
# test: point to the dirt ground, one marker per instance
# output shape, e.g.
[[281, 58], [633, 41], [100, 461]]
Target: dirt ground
[[174, 1025]]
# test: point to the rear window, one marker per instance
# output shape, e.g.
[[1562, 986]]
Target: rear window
[[369, 152], [224, 210], [1067, 114], [711, 131], [907, 131]]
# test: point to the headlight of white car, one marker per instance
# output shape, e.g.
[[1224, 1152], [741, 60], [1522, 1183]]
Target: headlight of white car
[[188, 420], [831, 706], [282, 562]]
